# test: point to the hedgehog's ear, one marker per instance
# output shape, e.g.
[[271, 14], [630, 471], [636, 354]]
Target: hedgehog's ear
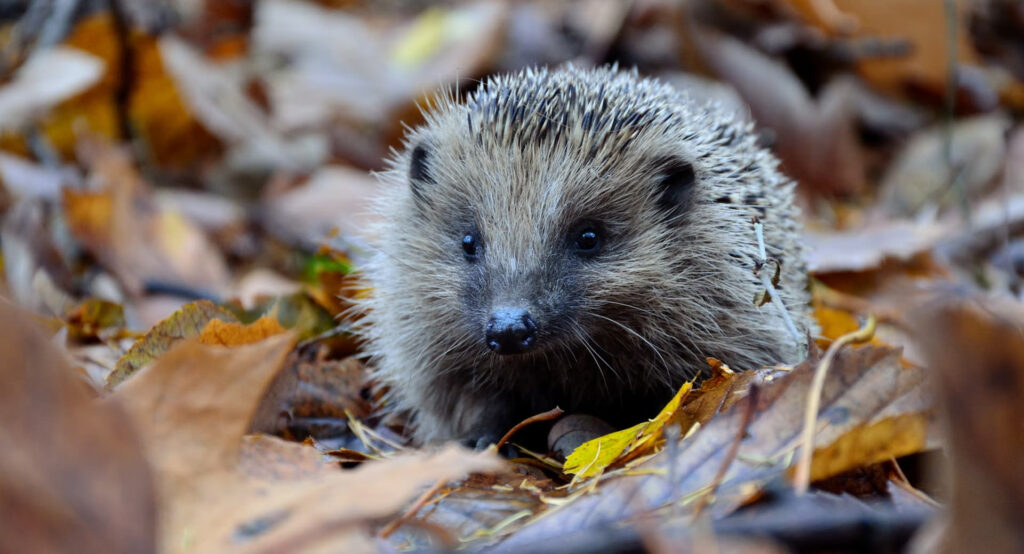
[[420, 176], [675, 181]]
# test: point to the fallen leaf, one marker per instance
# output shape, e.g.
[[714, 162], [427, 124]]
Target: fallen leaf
[[868, 247], [314, 395], [217, 97], [230, 333], [864, 384], [179, 390], [94, 317], [23, 178], [595, 456], [261, 284], [333, 197], [153, 106], [187, 322], [369, 78], [924, 27], [31, 257], [47, 78], [138, 240], [269, 458], [974, 346], [193, 406], [887, 439], [332, 510], [485, 507], [922, 176], [815, 138], [73, 476]]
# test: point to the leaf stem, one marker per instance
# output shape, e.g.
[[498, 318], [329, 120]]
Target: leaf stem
[[802, 481]]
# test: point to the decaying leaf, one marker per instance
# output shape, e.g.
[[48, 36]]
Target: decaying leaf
[[94, 317], [73, 476], [314, 395], [138, 240], [815, 138], [975, 347], [193, 406], [865, 249], [924, 174], [187, 322]]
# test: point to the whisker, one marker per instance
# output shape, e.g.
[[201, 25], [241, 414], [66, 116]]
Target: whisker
[[628, 329]]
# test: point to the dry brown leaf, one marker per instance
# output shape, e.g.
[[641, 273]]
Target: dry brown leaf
[[923, 25], [194, 403], [138, 240], [73, 476], [866, 248], [270, 458], [188, 321], [976, 350], [314, 393], [193, 406], [333, 196], [333, 510], [217, 96], [815, 138], [921, 176]]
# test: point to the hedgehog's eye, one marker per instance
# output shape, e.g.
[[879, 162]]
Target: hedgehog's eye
[[470, 245], [586, 240]]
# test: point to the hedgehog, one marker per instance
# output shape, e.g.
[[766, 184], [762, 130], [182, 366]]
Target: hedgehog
[[580, 238]]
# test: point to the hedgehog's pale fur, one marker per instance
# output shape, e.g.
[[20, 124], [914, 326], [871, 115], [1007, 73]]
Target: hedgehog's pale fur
[[521, 159]]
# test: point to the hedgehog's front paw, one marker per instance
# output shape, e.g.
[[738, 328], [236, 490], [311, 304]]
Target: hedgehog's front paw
[[480, 441]]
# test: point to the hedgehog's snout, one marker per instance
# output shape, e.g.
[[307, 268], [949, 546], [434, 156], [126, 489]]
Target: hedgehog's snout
[[511, 330]]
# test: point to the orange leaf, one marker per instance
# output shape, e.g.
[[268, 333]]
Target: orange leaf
[[229, 333]]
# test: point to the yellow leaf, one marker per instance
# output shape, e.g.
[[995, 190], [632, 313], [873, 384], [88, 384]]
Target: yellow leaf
[[422, 40], [871, 443], [594, 456], [834, 323]]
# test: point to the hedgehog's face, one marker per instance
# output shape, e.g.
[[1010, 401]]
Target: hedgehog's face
[[544, 253]]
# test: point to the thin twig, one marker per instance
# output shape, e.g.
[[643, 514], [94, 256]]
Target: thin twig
[[544, 416], [422, 501], [730, 456], [803, 468], [767, 282]]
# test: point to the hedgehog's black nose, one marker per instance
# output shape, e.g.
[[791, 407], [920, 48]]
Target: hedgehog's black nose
[[511, 331]]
